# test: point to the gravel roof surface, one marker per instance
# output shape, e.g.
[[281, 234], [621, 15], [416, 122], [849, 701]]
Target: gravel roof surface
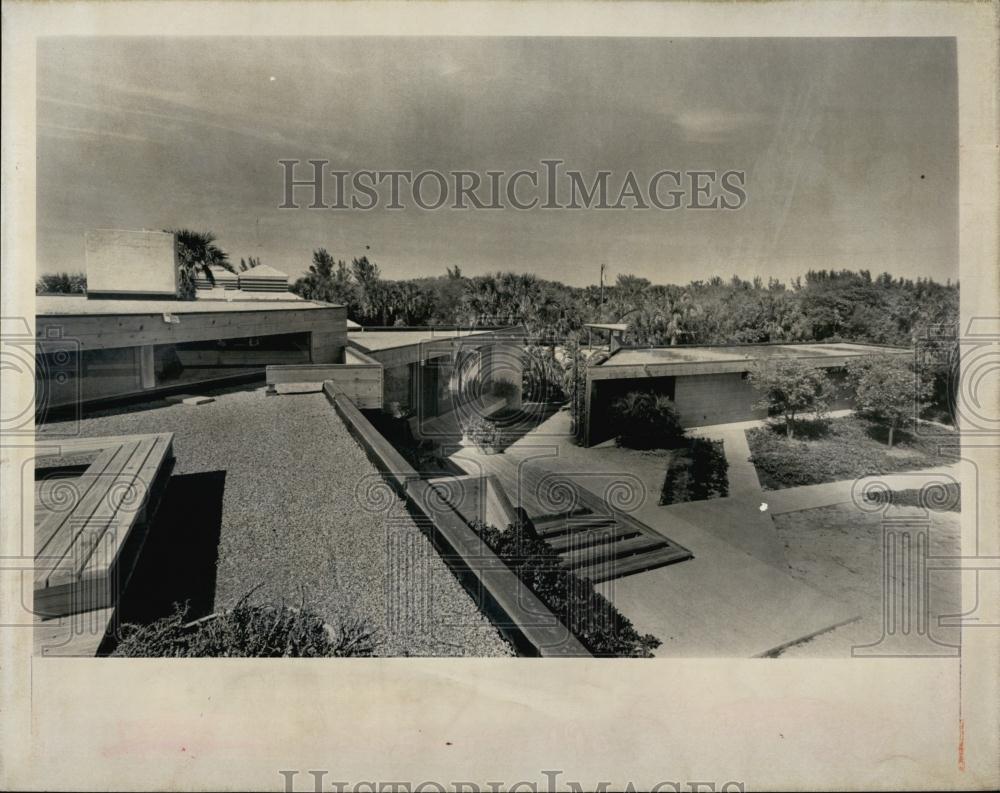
[[292, 517]]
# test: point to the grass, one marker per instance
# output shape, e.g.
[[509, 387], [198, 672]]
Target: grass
[[843, 448]]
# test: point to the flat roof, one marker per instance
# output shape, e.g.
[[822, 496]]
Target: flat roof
[[621, 326], [377, 340], [741, 352], [78, 305]]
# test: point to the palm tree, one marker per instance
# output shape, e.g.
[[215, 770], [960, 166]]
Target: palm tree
[[197, 251], [61, 284]]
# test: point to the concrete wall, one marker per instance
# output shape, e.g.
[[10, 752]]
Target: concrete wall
[[103, 331], [126, 262], [396, 385], [715, 399]]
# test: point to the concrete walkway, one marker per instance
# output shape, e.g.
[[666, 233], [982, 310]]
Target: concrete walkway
[[742, 473], [727, 601], [737, 518], [794, 499]]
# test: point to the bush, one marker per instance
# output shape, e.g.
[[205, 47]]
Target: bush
[[246, 631], [697, 473], [646, 420], [505, 389], [594, 620], [484, 433]]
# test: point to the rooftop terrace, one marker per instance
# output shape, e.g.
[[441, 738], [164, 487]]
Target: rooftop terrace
[[287, 517]]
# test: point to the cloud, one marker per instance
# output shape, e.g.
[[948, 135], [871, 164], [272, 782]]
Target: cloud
[[715, 126], [63, 132]]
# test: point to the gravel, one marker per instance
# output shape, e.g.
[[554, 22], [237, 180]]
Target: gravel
[[305, 512]]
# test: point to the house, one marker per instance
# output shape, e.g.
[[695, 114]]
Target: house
[[708, 384], [131, 335]]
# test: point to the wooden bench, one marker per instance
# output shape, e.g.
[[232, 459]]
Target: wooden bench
[[89, 530]]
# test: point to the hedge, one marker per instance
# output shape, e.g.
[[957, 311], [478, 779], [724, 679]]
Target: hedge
[[696, 472], [591, 617]]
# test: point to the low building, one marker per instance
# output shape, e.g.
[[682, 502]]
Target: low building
[[136, 337], [432, 372], [709, 385]]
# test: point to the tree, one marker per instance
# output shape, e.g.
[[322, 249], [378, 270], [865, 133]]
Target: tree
[[887, 389], [327, 281], [197, 251], [249, 263], [789, 387], [373, 292], [61, 284]]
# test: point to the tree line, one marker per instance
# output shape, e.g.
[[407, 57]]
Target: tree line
[[821, 305]]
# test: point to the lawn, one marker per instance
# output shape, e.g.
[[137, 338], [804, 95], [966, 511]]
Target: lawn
[[265, 493], [843, 448]]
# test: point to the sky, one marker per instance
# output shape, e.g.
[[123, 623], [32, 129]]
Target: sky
[[850, 149]]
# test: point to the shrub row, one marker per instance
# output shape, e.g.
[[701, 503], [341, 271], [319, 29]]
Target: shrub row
[[594, 620], [696, 472]]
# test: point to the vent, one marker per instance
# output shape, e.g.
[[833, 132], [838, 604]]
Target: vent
[[263, 279], [221, 279]]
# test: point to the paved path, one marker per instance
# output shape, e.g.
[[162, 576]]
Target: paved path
[[793, 499], [726, 601], [737, 519]]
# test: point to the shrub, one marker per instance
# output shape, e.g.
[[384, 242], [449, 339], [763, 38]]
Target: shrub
[[543, 375], [591, 617], [696, 473], [484, 433], [247, 631], [646, 420], [505, 389]]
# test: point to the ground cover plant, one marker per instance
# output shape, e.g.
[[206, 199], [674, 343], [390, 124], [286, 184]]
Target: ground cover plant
[[591, 617], [697, 471], [844, 448]]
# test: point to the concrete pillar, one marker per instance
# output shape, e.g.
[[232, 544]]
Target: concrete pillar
[[147, 366]]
